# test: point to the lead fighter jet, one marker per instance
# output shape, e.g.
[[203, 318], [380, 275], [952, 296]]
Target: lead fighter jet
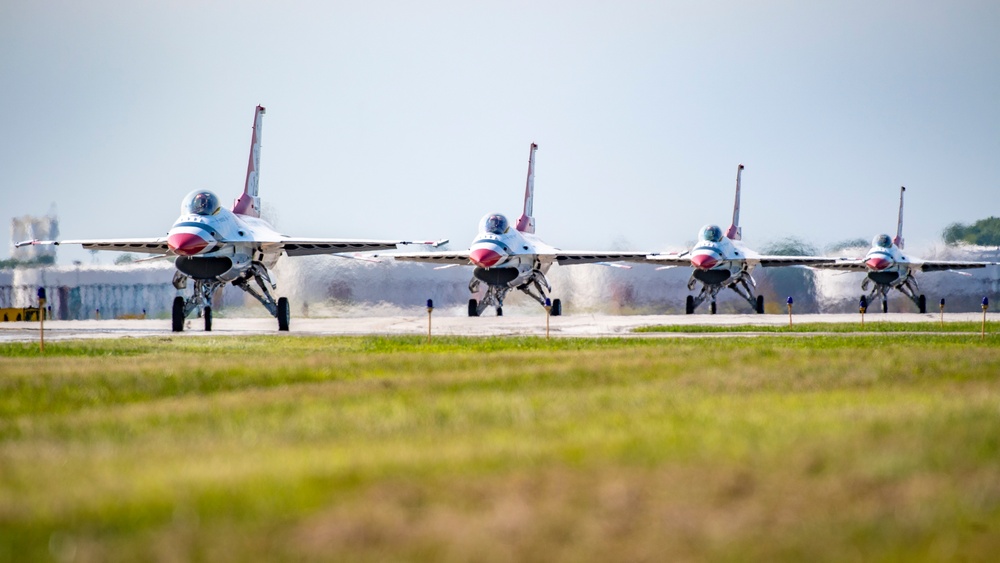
[[214, 246], [507, 257]]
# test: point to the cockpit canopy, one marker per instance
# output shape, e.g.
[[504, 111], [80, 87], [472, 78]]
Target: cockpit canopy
[[882, 241], [711, 233], [494, 223], [200, 202]]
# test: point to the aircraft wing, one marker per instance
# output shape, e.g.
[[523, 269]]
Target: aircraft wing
[[460, 258], [144, 245], [313, 246], [774, 261], [941, 265], [844, 265], [561, 257], [569, 257], [670, 259], [858, 265]]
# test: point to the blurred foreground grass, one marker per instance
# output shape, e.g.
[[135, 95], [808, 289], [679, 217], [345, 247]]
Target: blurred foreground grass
[[503, 449], [877, 326]]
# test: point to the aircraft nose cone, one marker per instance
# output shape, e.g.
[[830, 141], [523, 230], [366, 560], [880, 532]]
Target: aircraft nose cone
[[877, 263], [186, 244], [484, 257], [703, 261]]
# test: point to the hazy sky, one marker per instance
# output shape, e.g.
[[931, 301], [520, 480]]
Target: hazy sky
[[413, 119]]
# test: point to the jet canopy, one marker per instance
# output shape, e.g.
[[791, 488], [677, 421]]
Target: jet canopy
[[200, 202], [882, 241], [711, 233], [494, 223]]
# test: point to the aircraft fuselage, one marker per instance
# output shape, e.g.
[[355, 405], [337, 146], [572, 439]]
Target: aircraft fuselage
[[714, 263], [221, 246], [886, 265], [509, 259]]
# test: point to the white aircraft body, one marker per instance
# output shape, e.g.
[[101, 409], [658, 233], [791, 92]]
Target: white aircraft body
[[888, 268], [509, 257], [720, 260], [214, 246]]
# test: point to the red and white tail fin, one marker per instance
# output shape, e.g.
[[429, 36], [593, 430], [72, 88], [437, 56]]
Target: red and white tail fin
[[735, 232], [526, 222], [249, 202], [898, 241]]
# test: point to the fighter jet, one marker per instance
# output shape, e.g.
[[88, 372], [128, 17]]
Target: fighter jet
[[509, 256], [888, 267], [214, 246], [720, 260]]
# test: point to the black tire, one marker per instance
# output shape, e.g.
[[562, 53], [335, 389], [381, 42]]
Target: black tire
[[473, 308], [689, 305], [284, 315], [208, 319], [499, 311], [177, 315], [712, 307], [885, 305], [556, 308], [922, 303], [760, 304]]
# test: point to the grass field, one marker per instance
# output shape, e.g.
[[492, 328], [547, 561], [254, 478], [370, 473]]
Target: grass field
[[825, 448], [878, 326]]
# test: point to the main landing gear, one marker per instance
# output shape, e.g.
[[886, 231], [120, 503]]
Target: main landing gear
[[496, 293], [907, 286], [743, 285], [204, 289]]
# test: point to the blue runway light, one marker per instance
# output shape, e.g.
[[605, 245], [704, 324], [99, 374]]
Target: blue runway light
[[430, 303], [41, 293], [548, 302], [789, 301], [986, 302]]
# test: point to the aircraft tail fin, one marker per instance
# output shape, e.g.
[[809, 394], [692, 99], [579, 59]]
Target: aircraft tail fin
[[735, 232], [898, 241], [526, 222], [249, 202]]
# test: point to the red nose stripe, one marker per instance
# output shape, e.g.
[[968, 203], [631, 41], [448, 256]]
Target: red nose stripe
[[484, 257], [186, 244], [703, 261], [877, 264]]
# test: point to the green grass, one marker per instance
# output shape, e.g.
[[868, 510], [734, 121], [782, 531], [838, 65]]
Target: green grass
[[877, 326], [501, 449]]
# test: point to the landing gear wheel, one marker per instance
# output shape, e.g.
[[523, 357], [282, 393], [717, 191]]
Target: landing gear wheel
[[284, 315], [208, 319], [712, 307], [689, 305], [499, 311], [760, 304], [473, 308], [922, 303], [885, 305], [556, 308], [177, 315]]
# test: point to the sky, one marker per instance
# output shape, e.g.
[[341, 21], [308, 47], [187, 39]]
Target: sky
[[395, 119]]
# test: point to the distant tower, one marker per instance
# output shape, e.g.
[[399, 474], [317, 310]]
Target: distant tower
[[41, 228]]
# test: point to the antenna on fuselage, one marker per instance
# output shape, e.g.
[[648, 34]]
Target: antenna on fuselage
[[735, 232], [898, 241], [526, 222]]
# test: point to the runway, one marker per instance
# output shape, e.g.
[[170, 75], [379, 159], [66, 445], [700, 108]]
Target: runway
[[527, 325]]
